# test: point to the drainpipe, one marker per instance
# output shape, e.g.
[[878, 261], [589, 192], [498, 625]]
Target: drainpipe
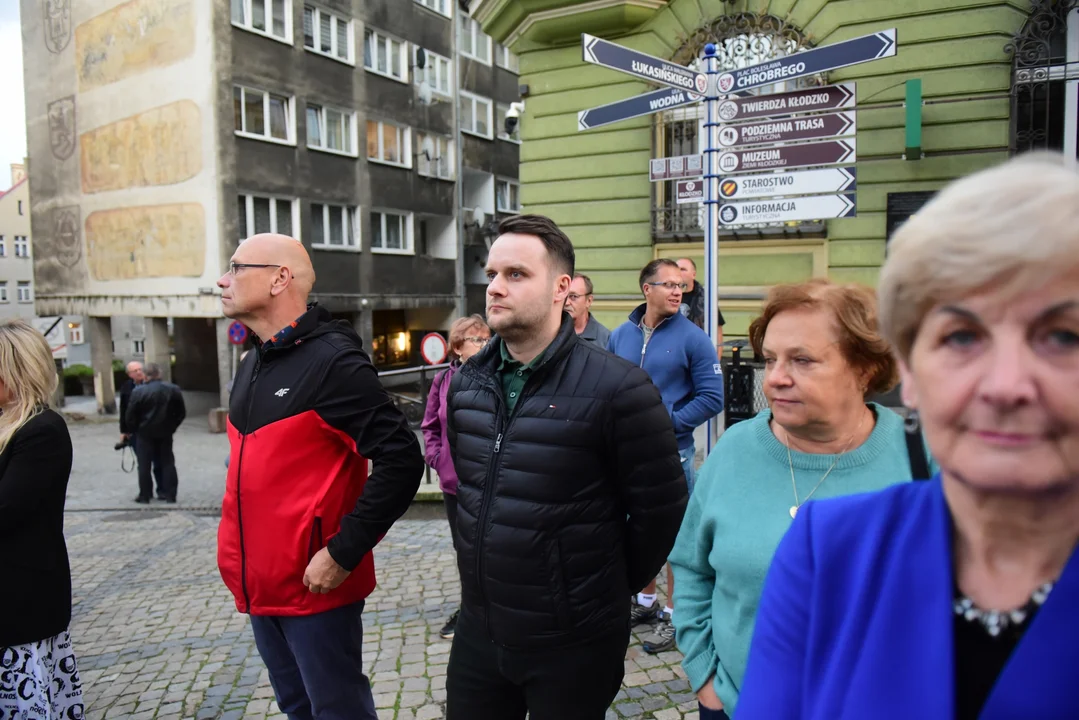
[[458, 190]]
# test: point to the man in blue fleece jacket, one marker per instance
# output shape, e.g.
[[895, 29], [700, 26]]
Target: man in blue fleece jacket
[[682, 363]]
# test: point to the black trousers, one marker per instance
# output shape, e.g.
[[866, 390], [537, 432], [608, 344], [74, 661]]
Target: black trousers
[[486, 682], [156, 453], [450, 501]]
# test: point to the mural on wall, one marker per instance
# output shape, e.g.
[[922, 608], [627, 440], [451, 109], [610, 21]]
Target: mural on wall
[[162, 146], [57, 24], [133, 38], [58, 251], [62, 127], [146, 242]]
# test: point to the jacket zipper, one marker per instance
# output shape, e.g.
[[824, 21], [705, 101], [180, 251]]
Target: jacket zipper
[[239, 476], [644, 340]]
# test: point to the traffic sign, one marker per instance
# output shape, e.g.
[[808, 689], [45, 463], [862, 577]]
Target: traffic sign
[[688, 191], [833, 152], [830, 97], [237, 332], [433, 348], [638, 64], [672, 168], [810, 62], [799, 182], [769, 132], [644, 104], [814, 207]]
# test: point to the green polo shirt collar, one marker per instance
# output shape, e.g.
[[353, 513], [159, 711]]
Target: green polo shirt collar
[[514, 374]]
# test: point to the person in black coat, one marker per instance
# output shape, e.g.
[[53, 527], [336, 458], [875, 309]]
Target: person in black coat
[[570, 495], [39, 675], [135, 377], [154, 414]]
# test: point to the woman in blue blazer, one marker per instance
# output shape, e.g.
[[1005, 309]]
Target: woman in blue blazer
[[956, 598]]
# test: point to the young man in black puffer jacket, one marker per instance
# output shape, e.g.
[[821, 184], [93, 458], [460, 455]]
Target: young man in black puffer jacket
[[571, 494]]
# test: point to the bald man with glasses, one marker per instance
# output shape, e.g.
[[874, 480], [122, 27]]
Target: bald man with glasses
[[306, 414]]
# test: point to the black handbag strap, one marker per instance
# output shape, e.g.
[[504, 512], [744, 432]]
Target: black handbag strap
[[919, 464]]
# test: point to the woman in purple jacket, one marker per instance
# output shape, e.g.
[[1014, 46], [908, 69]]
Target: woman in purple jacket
[[468, 335]]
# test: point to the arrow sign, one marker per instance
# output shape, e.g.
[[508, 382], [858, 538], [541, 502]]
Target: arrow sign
[[831, 97], [768, 132], [833, 152], [811, 62], [801, 182], [814, 207], [645, 104], [647, 67]]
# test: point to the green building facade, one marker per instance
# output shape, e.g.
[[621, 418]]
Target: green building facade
[[979, 106]]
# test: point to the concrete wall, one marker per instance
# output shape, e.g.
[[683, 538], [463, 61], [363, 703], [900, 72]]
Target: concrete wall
[[120, 128]]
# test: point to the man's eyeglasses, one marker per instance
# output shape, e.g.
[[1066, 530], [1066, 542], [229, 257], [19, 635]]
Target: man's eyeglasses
[[669, 285], [481, 341], [234, 266], [574, 297]]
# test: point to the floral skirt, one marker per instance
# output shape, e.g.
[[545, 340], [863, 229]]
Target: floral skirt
[[40, 681]]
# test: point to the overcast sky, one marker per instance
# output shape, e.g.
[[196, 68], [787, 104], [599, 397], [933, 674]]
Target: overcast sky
[[13, 117]]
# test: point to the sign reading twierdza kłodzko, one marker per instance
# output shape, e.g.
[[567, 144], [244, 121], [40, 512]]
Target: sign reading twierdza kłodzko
[[814, 207], [647, 67], [829, 97], [810, 62]]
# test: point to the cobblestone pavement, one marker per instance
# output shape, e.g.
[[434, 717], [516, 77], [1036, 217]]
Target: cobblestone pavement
[[157, 634]]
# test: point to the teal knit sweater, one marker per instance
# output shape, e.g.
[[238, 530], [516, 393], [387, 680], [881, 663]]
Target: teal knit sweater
[[737, 515]]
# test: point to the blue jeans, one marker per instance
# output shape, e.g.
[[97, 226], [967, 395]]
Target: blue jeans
[[686, 456], [316, 664]]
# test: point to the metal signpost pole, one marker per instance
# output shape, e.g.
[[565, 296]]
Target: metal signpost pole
[[711, 201]]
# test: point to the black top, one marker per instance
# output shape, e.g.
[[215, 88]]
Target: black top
[[125, 399], [567, 503], [34, 470], [979, 660], [155, 410], [693, 306]]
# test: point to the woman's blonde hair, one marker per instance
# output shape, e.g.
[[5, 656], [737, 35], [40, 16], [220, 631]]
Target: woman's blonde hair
[[459, 331], [28, 373], [1012, 226]]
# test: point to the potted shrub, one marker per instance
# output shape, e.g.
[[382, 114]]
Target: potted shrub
[[84, 374]]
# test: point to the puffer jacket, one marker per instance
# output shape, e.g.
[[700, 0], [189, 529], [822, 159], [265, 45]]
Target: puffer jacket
[[569, 504]]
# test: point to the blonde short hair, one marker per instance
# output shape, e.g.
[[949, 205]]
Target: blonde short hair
[[1011, 226], [459, 331], [28, 373]]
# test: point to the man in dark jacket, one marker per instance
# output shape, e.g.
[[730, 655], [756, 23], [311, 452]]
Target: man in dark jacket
[[135, 377], [154, 413], [693, 301], [306, 415], [570, 496]]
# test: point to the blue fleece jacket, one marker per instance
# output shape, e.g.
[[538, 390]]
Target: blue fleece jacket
[[682, 363]]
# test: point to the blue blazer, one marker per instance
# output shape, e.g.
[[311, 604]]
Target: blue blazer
[[856, 621]]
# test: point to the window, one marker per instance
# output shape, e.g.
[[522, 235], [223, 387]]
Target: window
[[389, 143], [138, 347], [74, 334], [437, 74], [24, 291], [3, 291], [20, 207], [1045, 80], [472, 42], [508, 196], [331, 129], [505, 59], [334, 226], [391, 232], [267, 17], [384, 55], [3, 246], [22, 246], [260, 214], [515, 136], [475, 114], [327, 34], [442, 7], [263, 114], [434, 156]]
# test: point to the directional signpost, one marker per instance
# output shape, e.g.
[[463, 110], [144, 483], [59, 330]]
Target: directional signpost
[[834, 152], [814, 207], [830, 97], [801, 182], [646, 67], [645, 104], [807, 127], [811, 62]]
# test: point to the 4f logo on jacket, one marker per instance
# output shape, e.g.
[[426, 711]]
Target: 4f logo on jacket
[[282, 392]]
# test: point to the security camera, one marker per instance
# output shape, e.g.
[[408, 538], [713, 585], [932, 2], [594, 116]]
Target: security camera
[[513, 116]]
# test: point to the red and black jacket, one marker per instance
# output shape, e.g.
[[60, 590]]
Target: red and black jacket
[[307, 412]]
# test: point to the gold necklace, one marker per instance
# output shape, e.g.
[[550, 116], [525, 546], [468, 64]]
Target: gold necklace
[[790, 464]]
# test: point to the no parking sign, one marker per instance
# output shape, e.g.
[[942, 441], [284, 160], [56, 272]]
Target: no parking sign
[[237, 333]]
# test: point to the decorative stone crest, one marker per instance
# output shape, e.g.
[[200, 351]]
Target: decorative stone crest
[[62, 127]]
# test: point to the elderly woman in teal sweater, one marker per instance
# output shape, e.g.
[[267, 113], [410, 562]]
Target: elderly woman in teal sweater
[[819, 437]]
